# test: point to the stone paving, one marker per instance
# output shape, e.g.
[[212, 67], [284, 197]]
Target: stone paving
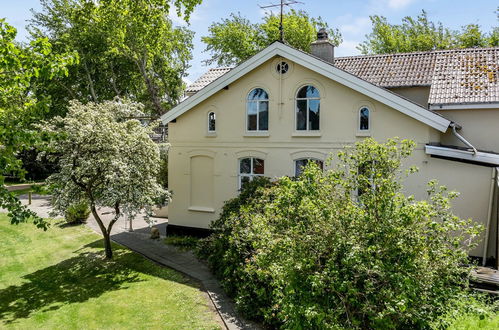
[[157, 251]]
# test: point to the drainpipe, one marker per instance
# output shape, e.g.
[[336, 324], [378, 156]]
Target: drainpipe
[[495, 172], [455, 127]]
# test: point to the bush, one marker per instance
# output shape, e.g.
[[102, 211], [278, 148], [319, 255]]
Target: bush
[[342, 248], [77, 213], [182, 242]]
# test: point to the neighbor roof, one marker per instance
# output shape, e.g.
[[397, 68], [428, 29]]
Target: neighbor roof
[[319, 66], [458, 76]]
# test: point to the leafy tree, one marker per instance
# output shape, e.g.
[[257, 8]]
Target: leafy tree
[[344, 248], [105, 160], [235, 39], [421, 34], [127, 48], [21, 68]]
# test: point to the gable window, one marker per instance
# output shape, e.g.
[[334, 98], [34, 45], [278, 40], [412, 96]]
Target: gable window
[[257, 110], [364, 119], [212, 122], [249, 168], [307, 109], [301, 163]]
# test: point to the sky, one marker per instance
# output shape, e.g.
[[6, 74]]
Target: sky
[[351, 17]]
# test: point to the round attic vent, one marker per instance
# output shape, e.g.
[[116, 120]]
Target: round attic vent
[[282, 67]]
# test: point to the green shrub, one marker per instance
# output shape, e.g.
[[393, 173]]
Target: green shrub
[[342, 248], [182, 242], [77, 213]]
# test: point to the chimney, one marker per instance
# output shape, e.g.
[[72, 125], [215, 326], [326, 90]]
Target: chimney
[[322, 47]]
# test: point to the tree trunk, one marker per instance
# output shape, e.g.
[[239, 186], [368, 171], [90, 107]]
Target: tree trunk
[[107, 246]]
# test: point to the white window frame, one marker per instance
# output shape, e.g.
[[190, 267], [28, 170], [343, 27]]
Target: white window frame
[[308, 159], [308, 113], [257, 111], [368, 119], [210, 131], [250, 175]]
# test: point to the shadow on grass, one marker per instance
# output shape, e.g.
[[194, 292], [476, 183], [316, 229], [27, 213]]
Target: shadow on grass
[[77, 279]]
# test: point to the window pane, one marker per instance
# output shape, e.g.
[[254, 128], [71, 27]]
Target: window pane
[[258, 94], [263, 116], [301, 115], [364, 119], [244, 180], [308, 92], [211, 122], [245, 166], [258, 166], [252, 108], [313, 116], [299, 165]]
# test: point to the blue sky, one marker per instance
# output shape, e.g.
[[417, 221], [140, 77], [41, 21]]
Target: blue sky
[[350, 16]]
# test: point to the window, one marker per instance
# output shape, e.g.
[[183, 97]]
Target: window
[[212, 122], [249, 168], [282, 67], [301, 163], [307, 109], [257, 110], [364, 119]]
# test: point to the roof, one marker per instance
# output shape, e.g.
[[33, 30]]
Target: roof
[[321, 67], [205, 79], [458, 76], [486, 158]]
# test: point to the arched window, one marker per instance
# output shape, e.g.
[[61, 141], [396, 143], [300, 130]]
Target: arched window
[[301, 163], [212, 118], [249, 168], [257, 110], [307, 109], [364, 119]]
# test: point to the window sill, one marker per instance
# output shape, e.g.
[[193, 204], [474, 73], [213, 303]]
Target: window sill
[[256, 134], [211, 134], [362, 134], [306, 134], [201, 209]]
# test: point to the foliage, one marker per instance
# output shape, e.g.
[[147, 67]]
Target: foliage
[[58, 280], [182, 242], [21, 68], [77, 212], [235, 39], [127, 48], [163, 168], [106, 159], [422, 34], [343, 248]]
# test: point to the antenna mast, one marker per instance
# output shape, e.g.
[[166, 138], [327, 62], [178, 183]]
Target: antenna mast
[[282, 4]]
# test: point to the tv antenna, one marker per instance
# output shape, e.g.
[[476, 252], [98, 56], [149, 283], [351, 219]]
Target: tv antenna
[[282, 4]]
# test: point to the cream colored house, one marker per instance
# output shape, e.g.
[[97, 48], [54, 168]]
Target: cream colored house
[[283, 107]]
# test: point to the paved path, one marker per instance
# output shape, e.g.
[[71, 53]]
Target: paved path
[[156, 250]]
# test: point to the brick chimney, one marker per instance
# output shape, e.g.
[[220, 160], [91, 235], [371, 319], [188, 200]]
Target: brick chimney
[[323, 47]]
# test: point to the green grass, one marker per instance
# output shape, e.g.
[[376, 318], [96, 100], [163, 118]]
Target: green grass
[[58, 279]]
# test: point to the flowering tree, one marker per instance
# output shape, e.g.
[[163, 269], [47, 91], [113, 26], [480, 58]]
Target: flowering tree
[[105, 159]]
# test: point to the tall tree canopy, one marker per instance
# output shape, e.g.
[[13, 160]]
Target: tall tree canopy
[[127, 48], [22, 68], [422, 34], [234, 39]]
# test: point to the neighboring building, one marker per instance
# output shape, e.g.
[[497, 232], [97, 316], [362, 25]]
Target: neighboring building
[[283, 107]]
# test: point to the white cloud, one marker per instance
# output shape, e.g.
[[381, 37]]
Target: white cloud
[[358, 26], [347, 48], [398, 4]]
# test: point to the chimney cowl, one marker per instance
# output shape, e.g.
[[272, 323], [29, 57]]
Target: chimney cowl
[[322, 34]]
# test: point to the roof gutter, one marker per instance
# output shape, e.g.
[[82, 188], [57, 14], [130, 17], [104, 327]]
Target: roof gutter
[[461, 138]]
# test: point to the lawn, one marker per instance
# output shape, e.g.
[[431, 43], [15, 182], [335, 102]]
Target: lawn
[[58, 279]]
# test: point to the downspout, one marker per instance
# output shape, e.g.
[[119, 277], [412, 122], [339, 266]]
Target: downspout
[[493, 181], [455, 127]]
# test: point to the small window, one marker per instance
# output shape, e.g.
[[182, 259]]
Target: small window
[[282, 67], [257, 110], [364, 119], [212, 122], [307, 109], [249, 168], [301, 163]]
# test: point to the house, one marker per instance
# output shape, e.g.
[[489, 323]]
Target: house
[[283, 107]]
